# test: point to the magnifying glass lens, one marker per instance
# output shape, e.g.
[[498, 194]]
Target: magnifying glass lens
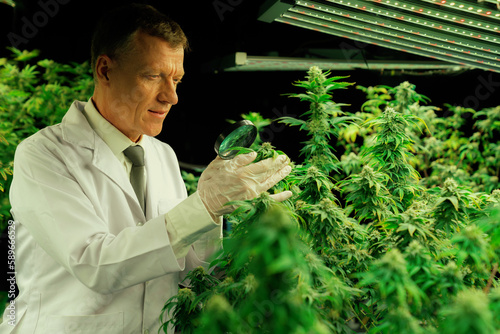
[[240, 134]]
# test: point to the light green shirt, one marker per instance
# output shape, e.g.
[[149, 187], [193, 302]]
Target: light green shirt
[[113, 137]]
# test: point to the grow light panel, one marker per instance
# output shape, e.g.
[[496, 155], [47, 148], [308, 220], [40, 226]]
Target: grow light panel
[[389, 43], [430, 14], [243, 62], [423, 28], [436, 12], [468, 7], [380, 26]]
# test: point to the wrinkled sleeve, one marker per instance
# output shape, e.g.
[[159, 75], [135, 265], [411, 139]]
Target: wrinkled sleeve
[[51, 204], [193, 233]]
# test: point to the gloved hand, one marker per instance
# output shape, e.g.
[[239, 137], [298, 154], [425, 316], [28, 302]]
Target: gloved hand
[[236, 180]]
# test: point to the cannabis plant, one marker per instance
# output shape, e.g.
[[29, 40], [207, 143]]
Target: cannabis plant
[[272, 282], [368, 196], [378, 98], [452, 206], [405, 96], [333, 235], [396, 236], [488, 124], [401, 98], [325, 118], [191, 181], [33, 95], [391, 152], [469, 313]]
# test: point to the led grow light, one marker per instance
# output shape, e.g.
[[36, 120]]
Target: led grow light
[[389, 37], [379, 25], [444, 34], [463, 18], [470, 8], [403, 17], [422, 51]]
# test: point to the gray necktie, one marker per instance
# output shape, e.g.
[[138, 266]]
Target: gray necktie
[[136, 155]]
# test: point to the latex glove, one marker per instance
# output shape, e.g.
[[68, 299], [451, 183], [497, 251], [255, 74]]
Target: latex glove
[[237, 179]]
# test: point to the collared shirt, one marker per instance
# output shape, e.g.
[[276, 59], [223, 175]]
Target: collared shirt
[[113, 137], [181, 237]]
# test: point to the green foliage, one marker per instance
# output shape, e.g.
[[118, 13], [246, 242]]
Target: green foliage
[[313, 183], [391, 152], [333, 235], [401, 98], [410, 226], [266, 151], [390, 277], [191, 181], [468, 313], [325, 118], [377, 97], [452, 206], [445, 151], [494, 299], [400, 234], [33, 95], [272, 282], [368, 195], [259, 122], [182, 310], [401, 243]]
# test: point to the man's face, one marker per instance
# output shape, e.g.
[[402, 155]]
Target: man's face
[[141, 86]]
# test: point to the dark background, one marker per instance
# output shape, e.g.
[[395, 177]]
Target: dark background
[[217, 28]]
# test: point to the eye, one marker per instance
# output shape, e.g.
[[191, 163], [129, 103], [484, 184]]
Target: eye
[[154, 76]]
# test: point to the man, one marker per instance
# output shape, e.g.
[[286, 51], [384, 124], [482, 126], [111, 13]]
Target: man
[[98, 250]]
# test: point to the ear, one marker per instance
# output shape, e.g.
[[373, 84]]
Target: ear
[[103, 66]]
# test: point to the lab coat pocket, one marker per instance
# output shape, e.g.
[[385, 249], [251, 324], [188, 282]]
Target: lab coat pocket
[[90, 324], [28, 320]]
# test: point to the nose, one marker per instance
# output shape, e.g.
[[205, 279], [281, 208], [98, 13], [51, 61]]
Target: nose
[[168, 93]]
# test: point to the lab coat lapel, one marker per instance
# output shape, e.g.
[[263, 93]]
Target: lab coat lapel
[[108, 164], [76, 130]]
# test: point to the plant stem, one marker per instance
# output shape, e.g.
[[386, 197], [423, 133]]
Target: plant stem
[[426, 165], [490, 280], [361, 321], [21, 114]]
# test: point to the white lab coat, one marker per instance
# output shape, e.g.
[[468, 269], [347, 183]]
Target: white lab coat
[[87, 259]]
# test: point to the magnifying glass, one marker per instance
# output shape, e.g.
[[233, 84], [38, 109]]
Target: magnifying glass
[[239, 134]]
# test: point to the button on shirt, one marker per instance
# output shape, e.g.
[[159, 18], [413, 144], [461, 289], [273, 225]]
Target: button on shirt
[[181, 237]]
